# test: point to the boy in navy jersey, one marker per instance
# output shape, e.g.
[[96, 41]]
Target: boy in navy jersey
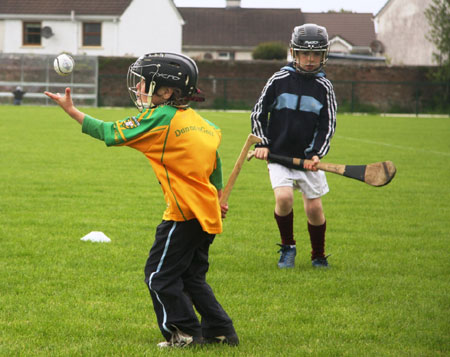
[[296, 117]]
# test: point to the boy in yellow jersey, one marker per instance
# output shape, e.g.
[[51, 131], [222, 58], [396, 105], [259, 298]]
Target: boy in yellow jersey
[[182, 149]]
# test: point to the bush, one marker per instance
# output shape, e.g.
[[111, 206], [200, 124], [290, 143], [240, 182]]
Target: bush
[[270, 51]]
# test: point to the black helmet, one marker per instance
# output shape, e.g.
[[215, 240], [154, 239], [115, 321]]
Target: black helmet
[[310, 37], [163, 69]]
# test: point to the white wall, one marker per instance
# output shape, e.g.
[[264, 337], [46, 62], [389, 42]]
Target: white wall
[[108, 47], [2, 35], [149, 26], [401, 27], [241, 55], [63, 40], [339, 47], [146, 26]]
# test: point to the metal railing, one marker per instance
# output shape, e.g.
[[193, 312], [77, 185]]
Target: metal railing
[[35, 74]]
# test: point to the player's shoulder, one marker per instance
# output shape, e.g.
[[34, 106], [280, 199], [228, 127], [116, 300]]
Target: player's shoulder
[[321, 76], [279, 75], [285, 70], [210, 123], [196, 116], [323, 81]]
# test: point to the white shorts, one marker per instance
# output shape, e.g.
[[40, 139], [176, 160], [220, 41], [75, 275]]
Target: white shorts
[[312, 183]]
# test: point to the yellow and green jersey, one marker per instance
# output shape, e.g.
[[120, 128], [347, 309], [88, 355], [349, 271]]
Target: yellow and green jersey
[[182, 149]]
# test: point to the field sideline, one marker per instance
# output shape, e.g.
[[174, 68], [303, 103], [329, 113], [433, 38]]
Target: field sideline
[[386, 293]]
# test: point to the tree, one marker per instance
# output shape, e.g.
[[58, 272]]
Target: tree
[[438, 16], [270, 51]]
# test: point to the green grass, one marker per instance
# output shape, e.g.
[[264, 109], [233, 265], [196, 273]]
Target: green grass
[[386, 294]]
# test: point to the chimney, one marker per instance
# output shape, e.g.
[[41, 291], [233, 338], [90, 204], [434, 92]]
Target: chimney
[[233, 3]]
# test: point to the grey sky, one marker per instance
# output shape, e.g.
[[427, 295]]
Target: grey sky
[[371, 6]]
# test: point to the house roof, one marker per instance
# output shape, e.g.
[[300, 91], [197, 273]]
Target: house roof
[[356, 28], [64, 7], [248, 27], [237, 26]]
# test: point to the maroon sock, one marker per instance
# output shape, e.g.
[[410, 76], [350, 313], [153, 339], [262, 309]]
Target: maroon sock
[[286, 227], [317, 237]]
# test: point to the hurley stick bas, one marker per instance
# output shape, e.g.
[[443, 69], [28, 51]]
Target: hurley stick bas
[[376, 174], [251, 140]]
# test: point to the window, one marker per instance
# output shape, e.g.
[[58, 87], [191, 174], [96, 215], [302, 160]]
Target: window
[[92, 34], [227, 55], [32, 33]]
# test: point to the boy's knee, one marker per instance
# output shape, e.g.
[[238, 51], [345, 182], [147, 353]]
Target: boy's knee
[[314, 211], [284, 201]]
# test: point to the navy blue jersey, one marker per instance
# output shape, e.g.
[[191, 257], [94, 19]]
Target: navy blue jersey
[[296, 114]]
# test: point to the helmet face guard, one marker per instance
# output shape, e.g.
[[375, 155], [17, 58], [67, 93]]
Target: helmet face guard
[[310, 38], [139, 88], [155, 70]]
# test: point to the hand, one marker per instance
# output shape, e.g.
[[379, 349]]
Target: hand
[[262, 153], [312, 165], [66, 103], [224, 210], [224, 206]]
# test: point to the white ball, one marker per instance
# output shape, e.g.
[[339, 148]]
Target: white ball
[[63, 64]]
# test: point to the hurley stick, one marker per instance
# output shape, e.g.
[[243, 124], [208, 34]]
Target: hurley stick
[[251, 139], [376, 174]]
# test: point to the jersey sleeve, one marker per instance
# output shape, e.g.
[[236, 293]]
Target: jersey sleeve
[[216, 177], [260, 114], [327, 122], [94, 127], [122, 131], [112, 133]]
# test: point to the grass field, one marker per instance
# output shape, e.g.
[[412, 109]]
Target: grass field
[[386, 293]]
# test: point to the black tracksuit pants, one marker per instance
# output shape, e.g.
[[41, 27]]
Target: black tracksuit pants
[[175, 274]]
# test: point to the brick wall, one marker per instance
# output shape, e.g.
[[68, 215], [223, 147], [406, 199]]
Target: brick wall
[[239, 84]]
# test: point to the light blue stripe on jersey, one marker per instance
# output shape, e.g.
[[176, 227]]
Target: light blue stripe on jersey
[[288, 68], [310, 147], [286, 101], [310, 104]]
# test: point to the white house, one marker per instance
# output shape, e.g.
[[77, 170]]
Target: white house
[[90, 27], [402, 28]]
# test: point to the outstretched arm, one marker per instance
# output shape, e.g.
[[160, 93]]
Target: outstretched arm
[[65, 102]]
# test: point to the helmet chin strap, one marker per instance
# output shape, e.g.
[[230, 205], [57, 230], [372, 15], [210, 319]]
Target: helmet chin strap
[[299, 69], [151, 90]]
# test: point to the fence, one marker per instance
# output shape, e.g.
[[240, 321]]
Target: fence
[[35, 74], [393, 97], [352, 96], [91, 87]]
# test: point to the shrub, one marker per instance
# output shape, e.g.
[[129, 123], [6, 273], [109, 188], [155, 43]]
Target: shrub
[[270, 51]]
